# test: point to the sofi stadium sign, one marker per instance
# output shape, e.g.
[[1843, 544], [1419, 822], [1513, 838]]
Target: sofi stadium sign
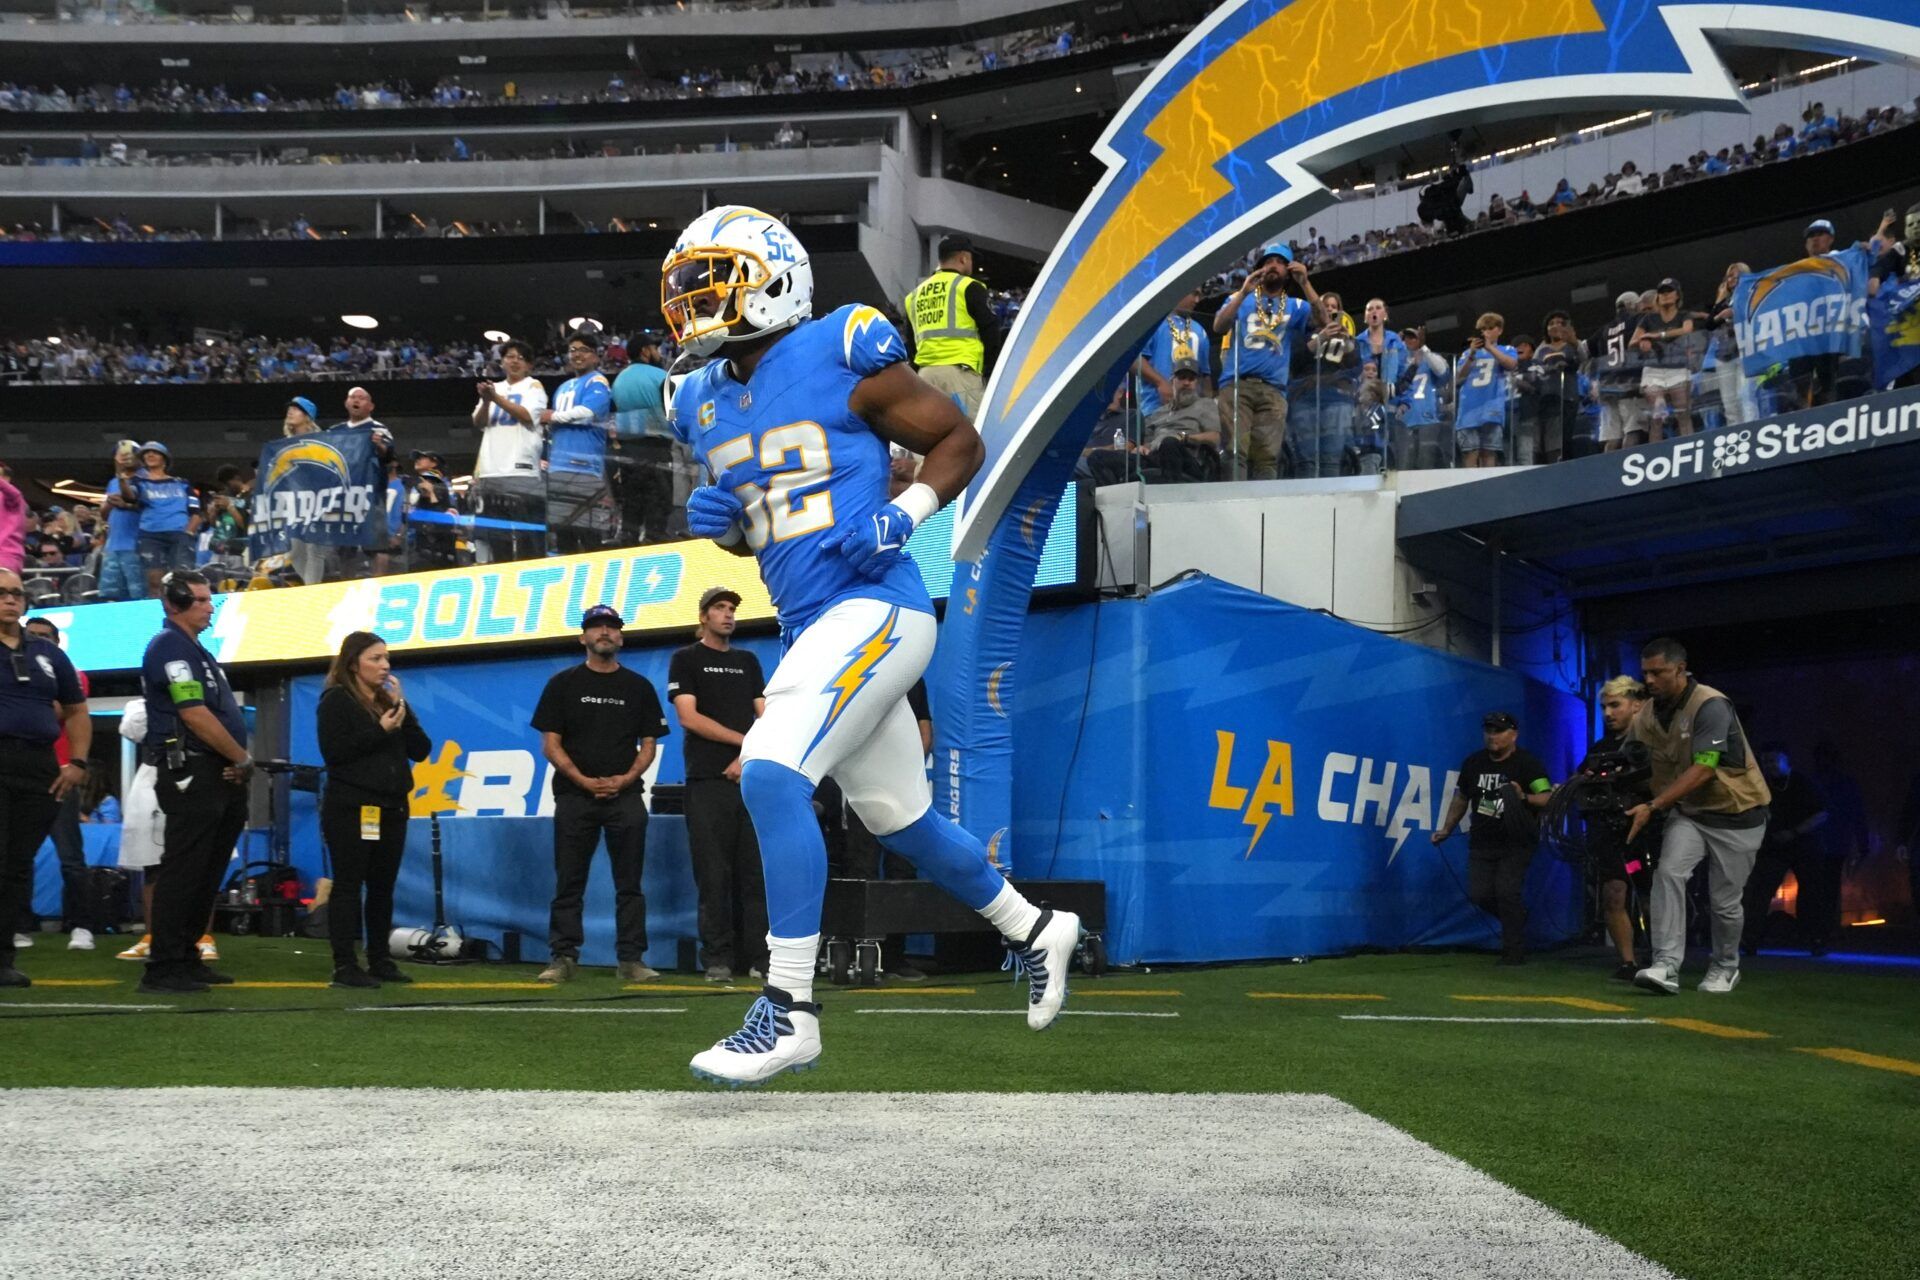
[[654, 587]]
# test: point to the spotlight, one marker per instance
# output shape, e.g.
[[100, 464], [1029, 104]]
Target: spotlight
[[359, 322]]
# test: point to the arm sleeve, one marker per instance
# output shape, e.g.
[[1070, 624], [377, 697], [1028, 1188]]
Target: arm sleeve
[[651, 713], [917, 700], [1712, 732], [345, 731], [548, 715], [759, 680], [985, 318], [67, 680], [680, 672], [1537, 779], [869, 342], [418, 745]]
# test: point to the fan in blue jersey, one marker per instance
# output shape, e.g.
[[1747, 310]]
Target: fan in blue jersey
[[1480, 394], [1177, 340], [792, 423]]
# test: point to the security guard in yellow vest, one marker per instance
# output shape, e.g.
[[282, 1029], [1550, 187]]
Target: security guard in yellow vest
[[1708, 783], [954, 330]]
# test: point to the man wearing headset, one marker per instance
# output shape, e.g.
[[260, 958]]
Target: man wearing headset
[[197, 739]]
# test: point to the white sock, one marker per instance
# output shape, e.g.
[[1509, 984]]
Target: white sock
[[790, 965], [1011, 914]]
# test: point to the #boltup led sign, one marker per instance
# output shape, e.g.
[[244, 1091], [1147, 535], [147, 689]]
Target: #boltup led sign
[[653, 587]]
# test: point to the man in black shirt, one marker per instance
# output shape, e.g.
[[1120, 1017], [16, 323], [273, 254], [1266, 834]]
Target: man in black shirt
[[1796, 841], [598, 724], [1504, 786], [40, 697], [718, 691], [197, 739]]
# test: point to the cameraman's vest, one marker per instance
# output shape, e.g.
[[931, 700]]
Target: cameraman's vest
[[944, 330], [1730, 790]]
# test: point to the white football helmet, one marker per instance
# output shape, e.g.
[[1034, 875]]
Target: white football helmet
[[735, 273]]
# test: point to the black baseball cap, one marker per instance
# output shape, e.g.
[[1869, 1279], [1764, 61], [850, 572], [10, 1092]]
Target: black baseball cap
[[418, 454], [1669, 285], [950, 245], [1186, 366], [602, 615], [644, 338], [1819, 226], [1497, 721], [712, 594]]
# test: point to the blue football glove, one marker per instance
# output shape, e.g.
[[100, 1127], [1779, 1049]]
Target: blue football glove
[[712, 512], [875, 545]]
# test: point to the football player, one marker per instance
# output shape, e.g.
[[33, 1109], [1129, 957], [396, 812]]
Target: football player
[[792, 421]]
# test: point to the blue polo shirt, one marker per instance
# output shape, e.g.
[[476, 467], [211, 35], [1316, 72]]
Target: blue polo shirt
[[640, 402], [123, 527], [166, 505], [32, 679], [177, 674]]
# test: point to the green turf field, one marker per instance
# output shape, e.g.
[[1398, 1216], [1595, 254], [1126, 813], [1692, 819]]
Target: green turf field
[[1726, 1148]]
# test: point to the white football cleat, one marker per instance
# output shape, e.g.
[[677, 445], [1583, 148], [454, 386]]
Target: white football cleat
[[1720, 980], [80, 940], [1658, 979], [780, 1034], [1044, 958]]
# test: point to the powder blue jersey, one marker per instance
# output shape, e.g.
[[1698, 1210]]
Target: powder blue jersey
[[1419, 393], [802, 462], [168, 505], [1261, 343], [1175, 339], [123, 526], [1481, 398], [582, 413]]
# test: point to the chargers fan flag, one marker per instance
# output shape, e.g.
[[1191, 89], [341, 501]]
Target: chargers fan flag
[[1220, 147]]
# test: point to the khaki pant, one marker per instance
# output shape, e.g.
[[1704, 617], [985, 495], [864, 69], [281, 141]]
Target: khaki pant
[[960, 382], [1254, 416]]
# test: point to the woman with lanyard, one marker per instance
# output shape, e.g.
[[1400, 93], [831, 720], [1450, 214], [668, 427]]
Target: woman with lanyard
[[367, 734], [39, 696]]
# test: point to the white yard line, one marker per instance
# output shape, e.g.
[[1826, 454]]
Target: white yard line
[[503, 1185], [1021, 1013], [492, 1008]]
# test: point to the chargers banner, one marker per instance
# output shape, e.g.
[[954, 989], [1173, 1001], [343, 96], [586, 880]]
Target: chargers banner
[[1813, 307], [317, 488], [1252, 779], [1894, 321]]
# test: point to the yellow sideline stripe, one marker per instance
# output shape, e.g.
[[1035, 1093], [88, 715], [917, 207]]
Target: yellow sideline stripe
[[1311, 995], [1714, 1029], [277, 986], [1082, 992], [78, 982], [1873, 1060], [481, 986], [920, 991], [1571, 1002]]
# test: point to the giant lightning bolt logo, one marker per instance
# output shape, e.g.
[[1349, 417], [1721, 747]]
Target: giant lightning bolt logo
[[1221, 145]]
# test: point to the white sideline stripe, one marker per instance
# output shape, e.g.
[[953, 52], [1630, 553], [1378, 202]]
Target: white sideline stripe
[[1021, 1013], [1559, 1022], [489, 1008], [505, 1185], [48, 1004]]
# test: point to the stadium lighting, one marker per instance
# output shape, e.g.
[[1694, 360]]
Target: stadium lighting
[[583, 322], [359, 322], [495, 335], [53, 342]]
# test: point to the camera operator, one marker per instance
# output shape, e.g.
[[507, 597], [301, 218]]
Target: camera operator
[[1707, 783], [1618, 863], [1505, 786]]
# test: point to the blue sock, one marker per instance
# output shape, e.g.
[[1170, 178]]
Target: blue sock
[[792, 850], [947, 854]]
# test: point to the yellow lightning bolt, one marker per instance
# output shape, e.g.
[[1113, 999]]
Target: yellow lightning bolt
[[855, 673], [1305, 54], [430, 779], [859, 320], [1276, 788]]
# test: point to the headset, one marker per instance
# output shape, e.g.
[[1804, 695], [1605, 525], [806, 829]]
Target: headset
[[177, 587]]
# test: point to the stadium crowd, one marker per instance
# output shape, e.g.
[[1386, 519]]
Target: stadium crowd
[[846, 72]]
